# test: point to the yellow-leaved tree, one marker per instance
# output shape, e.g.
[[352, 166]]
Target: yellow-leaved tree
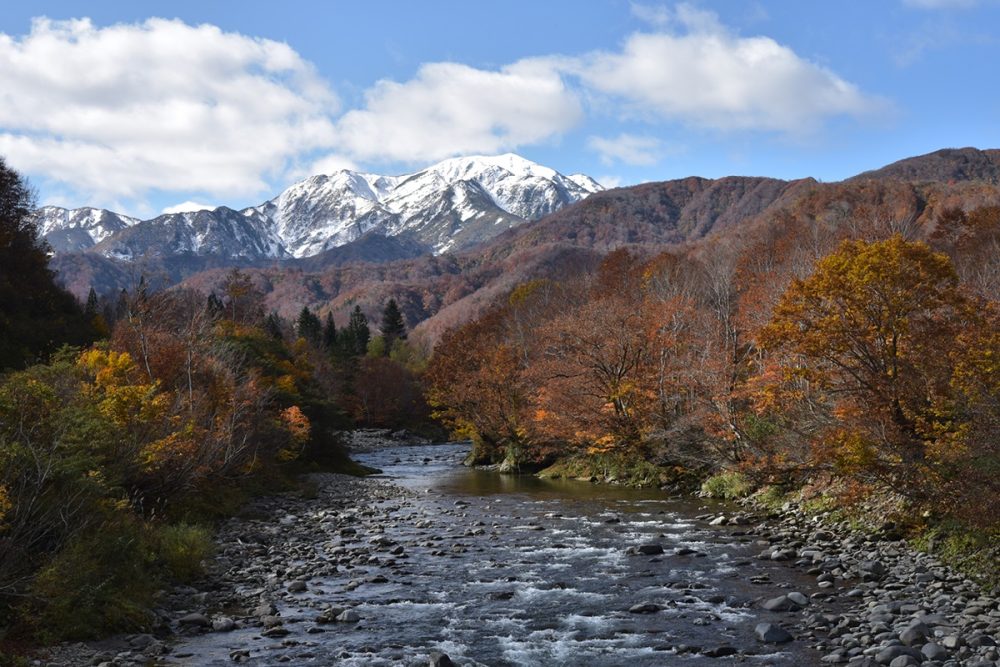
[[861, 363]]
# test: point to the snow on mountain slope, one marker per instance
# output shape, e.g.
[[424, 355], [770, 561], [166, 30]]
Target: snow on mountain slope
[[80, 228], [448, 206]]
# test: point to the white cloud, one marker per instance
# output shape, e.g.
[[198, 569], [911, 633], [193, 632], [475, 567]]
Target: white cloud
[[188, 206], [627, 148], [329, 164], [452, 109], [112, 114], [115, 112], [706, 76], [610, 182], [656, 15]]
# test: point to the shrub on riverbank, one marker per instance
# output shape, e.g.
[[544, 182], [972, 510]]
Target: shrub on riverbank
[[618, 469], [727, 486]]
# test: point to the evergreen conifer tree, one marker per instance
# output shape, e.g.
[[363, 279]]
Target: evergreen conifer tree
[[393, 328], [359, 333], [36, 314], [329, 332], [309, 326], [90, 310], [272, 325]]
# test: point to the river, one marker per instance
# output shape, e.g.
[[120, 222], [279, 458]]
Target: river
[[512, 570]]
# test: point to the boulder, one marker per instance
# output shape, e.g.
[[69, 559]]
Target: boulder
[[772, 634], [933, 651], [195, 620], [348, 616], [780, 603], [223, 624], [439, 659]]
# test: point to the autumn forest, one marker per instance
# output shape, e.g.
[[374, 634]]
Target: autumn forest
[[840, 343]]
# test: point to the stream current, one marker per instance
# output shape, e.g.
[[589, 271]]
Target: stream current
[[515, 570]]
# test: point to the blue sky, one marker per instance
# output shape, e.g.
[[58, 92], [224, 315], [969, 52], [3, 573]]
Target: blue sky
[[141, 107]]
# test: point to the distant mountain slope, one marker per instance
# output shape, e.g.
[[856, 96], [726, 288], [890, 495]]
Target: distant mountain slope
[[437, 292], [80, 228], [944, 166], [655, 213], [452, 205]]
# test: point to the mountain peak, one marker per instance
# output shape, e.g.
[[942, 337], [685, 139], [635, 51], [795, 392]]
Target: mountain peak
[[450, 205]]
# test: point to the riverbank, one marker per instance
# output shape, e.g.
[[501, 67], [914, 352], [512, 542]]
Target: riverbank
[[265, 558], [905, 607], [372, 571]]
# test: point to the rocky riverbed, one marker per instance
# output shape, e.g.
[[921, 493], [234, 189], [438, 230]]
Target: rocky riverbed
[[905, 608], [437, 564]]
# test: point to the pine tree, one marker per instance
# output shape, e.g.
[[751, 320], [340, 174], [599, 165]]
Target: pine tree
[[90, 310], [36, 315], [309, 326], [121, 306], [393, 328], [273, 326], [329, 333], [359, 333]]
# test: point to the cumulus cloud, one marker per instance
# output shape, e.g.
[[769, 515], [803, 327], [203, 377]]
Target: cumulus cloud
[[627, 148], [452, 109], [187, 207], [117, 111], [112, 114], [329, 164], [702, 74]]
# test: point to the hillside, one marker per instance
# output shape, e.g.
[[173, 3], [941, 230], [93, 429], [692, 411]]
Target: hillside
[[948, 165], [437, 292]]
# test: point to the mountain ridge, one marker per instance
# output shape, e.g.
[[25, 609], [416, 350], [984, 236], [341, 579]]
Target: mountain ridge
[[450, 205]]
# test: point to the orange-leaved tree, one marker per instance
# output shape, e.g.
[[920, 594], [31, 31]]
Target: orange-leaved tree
[[864, 342]]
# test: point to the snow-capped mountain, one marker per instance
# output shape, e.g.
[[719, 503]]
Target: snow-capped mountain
[[449, 206], [79, 228]]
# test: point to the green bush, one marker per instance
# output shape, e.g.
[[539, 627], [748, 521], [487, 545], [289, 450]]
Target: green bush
[[973, 552], [623, 469], [727, 486], [99, 583], [181, 548]]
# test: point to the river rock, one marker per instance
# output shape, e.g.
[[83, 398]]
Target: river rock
[[644, 608], [798, 598], [890, 653], [650, 549], [348, 616], [275, 632], [933, 651], [915, 634], [439, 659], [265, 609], [780, 603], [195, 620], [772, 634], [223, 624]]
